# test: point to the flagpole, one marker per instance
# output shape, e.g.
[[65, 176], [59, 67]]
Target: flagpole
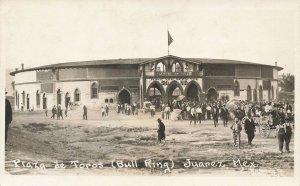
[[168, 38]]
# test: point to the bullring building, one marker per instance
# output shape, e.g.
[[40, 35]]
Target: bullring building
[[100, 82]]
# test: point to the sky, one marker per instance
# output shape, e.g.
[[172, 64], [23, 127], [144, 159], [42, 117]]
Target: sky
[[46, 32]]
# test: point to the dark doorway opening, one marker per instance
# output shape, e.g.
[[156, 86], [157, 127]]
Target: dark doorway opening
[[28, 102], [124, 97], [192, 93], [58, 97], [212, 94]]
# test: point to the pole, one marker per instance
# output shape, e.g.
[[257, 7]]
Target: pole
[[168, 37]]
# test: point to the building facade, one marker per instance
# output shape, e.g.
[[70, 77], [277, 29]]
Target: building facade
[[96, 83]]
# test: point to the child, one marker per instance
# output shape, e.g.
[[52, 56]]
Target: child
[[236, 128]]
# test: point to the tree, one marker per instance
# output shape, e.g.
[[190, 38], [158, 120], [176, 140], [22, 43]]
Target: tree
[[287, 82]]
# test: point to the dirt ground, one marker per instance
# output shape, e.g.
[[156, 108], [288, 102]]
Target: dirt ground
[[35, 138]]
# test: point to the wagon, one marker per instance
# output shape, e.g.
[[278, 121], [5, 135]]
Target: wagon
[[265, 125]]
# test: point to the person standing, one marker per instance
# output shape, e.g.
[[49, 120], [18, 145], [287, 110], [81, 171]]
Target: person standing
[[208, 110], [59, 113], [188, 112], [84, 112], [54, 112], [167, 110], [236, 128], [199, 113], [215, 113], [288, 134], [249, 128], [8, 117], [224, 115], [103, 111], [161, 130], [106, 110], [280, 130], [203, 111], [193, 115]]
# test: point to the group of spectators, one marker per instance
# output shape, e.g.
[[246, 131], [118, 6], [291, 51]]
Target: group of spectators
[[128, 109]]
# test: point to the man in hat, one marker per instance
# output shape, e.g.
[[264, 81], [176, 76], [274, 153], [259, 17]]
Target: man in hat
[[249, 128], [8, 116], [161, 130]]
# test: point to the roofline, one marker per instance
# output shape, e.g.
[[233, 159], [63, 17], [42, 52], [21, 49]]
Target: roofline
[[52, 66]]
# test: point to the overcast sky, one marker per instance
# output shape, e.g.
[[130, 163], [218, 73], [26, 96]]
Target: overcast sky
[[44, 32]]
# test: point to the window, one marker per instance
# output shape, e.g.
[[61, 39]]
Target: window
[[111, 100], [176, 67], [58, 97], [94, 90], [77, 95], [160, 67], [236, 89], [106, 100], [38, 98]]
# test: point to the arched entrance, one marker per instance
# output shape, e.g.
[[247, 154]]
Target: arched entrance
[[156, 93], [58, 97], [28, 101], [249, 97], [124, 96], [174, 90], [44, 101], [212, 94], [255, 95], [67, 99], [192, 91]]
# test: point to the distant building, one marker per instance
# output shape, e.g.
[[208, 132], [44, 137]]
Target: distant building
[[99, 82]]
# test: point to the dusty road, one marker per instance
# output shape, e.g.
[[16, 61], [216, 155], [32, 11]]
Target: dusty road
[[95, 143]]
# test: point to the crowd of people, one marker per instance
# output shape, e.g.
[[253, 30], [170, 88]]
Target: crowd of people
[[241, 112]]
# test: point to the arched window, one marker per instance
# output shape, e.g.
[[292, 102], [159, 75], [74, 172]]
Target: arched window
[[255, 95], [77, 95], [58, 97], [176, 67], [94, 93], [160, 67], [249, 95], [236, 88], [38, 99]]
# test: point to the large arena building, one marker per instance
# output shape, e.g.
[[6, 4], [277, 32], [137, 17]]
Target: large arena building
[[100, 82]]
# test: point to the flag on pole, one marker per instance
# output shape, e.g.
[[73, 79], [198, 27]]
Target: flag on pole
[[170, 39]]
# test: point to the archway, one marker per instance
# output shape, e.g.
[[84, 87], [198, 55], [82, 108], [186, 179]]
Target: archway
[[174, 90], [58, 97], [156, 93], [124, 96], [44, 101], [192, 91], [28, 101], [212, 94], [260, 93], [38, 98], [23, 99], [249, 97], [255, 95], [67, 99]]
